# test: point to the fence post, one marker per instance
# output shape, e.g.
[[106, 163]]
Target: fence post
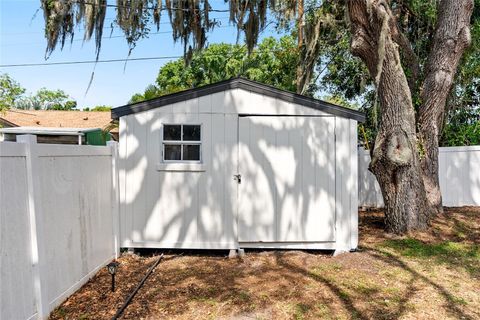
[[36, 227], [115, 198]]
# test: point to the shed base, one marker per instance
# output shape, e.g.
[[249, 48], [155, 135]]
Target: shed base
[[290, 245], [233, 247]]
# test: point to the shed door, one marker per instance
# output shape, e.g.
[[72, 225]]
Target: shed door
[[287, 189]]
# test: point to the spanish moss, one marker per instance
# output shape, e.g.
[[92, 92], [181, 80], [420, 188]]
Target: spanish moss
[[190, 21]]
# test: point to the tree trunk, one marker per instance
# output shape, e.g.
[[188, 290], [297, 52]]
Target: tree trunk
[[395, 159], [406, 167], [452, 37]]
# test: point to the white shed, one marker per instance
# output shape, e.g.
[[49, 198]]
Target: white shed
[[238, 164]]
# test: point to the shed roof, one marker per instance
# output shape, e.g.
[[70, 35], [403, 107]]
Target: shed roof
[[235, 83], [56, 118], [49, 131]]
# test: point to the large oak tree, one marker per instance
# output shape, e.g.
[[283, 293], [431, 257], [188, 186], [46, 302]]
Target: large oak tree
[[405, 152], [405, 155]]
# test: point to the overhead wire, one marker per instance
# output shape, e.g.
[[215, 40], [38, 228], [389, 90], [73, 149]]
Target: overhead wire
[[161, 8], [85, 62], [41, 64], [114, 60], [110, 60]]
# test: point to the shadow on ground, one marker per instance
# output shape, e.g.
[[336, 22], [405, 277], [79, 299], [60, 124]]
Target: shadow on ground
[[430, 275]]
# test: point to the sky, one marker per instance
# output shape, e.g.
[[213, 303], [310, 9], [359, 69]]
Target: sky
[[22, 41]]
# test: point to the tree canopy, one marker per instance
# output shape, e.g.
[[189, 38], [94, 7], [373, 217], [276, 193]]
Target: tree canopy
[[10, 92], [101, 108], [273, 62], [348, 79], [13, 95], [51, 100], [45, 99]]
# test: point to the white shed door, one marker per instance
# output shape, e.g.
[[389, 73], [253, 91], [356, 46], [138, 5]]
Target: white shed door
[[287, 189]]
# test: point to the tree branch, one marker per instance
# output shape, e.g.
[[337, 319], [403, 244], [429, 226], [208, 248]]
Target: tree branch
[[411, 59], [452, 37]]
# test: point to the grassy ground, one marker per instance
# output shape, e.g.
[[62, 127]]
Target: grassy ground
[[428, 275]]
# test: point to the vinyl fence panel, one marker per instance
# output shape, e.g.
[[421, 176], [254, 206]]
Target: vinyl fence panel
[[56, 223], [17, 299], [459, 173]]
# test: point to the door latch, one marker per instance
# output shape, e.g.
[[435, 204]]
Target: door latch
[[237, 177]]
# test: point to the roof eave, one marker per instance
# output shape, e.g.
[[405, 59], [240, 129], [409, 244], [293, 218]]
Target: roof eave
[[233, 84]]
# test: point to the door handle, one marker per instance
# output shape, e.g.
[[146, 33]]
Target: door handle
[[237, 177]]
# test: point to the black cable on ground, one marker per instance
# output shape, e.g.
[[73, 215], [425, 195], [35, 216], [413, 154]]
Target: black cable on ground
[[134, 292]]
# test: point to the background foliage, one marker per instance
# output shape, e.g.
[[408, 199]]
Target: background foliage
[[13, 95], [273, 62], [45, 99], [10, 92]]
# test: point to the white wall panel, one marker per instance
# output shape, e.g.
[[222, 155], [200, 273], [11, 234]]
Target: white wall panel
[[218, 102], [174, 207], [344, 183], [17, 300], [281, 160], [459, 169], [205, 104], [256, 198], [247, 102], [353, 184], [76, 202], [56, 227]]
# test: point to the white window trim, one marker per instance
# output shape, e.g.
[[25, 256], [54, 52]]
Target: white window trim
[[176, 165], [181, 167]]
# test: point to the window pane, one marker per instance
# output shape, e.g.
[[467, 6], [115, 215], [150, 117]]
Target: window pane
[[191, 152], [173, 152], [172, 132], [191, 132]]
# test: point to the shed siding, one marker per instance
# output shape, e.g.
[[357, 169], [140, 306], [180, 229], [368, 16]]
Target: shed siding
[[353, 185], [179, 209], [174, 207], [122, 179], [346, 183], [248, 102], [288, 173]]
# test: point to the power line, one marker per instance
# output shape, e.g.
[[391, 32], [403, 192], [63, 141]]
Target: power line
[[160, 8], [87, 62], [107, 61], [228, 57]]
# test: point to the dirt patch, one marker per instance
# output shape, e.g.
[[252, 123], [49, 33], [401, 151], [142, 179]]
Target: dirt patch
[[456, 224], [426, 275]]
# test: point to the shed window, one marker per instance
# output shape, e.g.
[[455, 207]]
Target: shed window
[[181, 142]]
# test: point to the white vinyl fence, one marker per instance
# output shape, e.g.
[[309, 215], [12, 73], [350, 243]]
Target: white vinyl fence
[[459, 172], [57, 222]]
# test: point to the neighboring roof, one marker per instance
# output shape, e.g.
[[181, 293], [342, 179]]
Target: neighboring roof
[[242, 84], [55, 118], [48, 131]]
